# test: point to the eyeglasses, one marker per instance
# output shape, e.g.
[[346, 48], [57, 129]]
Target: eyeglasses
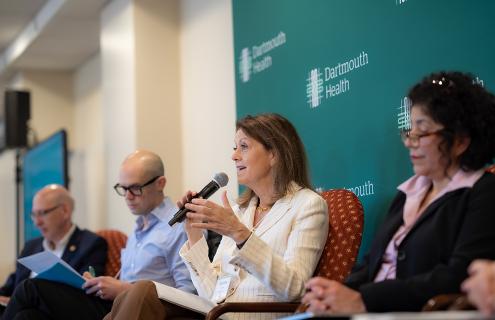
[[414, 139], [135, 190], [43, 213]]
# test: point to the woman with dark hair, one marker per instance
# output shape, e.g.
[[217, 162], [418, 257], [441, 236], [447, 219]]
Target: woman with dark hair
[[441, 219], [272, 240]]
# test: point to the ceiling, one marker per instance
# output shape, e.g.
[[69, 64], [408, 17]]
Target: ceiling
[[14, 16], [69, 38]]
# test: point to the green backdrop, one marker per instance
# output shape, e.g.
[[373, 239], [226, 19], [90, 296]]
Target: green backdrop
[[340, 69]]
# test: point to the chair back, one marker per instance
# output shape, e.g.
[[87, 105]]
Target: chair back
[[346, 219], [116, 241]]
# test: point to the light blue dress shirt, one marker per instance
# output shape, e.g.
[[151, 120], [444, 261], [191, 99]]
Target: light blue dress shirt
[[153, 253]]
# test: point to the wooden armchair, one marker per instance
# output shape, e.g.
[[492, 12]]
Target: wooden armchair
[[116, 240], [346, 220], [455, 301]]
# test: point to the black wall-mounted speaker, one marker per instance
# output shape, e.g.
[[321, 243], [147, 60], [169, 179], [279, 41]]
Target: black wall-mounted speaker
[[13, 124]]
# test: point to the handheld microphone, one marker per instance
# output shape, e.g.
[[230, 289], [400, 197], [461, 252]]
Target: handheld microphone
[[219, 180]]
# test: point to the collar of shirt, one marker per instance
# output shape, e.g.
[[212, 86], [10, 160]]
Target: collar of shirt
[[59, 248], [417, 186], [152, 253], [163, 212]]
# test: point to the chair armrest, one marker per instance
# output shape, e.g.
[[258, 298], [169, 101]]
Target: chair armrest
[[441, 302], [462, 303], [251, 307]]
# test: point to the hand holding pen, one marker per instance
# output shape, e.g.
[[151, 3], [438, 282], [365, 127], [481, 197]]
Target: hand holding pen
[[105, 287], [91, 273]]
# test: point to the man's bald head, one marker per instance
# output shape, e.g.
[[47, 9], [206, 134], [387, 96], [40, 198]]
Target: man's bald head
[[56, 194], [149, 162], [52, 211], [143, 170]]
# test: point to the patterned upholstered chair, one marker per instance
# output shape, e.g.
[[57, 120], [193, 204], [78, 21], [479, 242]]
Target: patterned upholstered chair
[[344, 236], [116, 240], [455, 301], [346, 221]]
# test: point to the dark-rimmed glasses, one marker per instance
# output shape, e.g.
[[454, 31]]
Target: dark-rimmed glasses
[[135, 190], [414, 139], [43, 213]]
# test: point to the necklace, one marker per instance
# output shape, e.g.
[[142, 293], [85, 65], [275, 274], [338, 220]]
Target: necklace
[[258, 212], [261, 209]]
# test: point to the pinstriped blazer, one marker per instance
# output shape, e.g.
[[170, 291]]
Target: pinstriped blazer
[[278, 258]]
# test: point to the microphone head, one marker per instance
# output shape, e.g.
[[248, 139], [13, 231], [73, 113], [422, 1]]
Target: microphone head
[[221, 178]]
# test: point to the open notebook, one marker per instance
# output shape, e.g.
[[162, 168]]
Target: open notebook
[[184, 299], [48, 266]]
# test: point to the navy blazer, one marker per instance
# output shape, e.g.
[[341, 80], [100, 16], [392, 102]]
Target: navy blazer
[[84, 249], [433, 257]]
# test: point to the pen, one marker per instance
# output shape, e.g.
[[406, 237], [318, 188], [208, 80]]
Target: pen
[[91, 271]]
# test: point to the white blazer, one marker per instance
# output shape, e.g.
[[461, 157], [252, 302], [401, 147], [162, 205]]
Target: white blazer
[[278, 258]]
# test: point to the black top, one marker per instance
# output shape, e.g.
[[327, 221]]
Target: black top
[[433, 257]]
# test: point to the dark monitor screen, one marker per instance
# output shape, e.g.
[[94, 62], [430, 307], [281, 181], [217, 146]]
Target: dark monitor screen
[[44, 164]]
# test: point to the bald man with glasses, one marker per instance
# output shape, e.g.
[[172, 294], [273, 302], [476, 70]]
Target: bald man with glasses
[[151, 253], [52, 215]]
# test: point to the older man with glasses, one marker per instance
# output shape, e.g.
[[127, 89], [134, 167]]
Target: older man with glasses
[[52, 214], [151, 253]]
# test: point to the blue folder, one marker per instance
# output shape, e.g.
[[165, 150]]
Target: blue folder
[[60, 273], [48, 266]]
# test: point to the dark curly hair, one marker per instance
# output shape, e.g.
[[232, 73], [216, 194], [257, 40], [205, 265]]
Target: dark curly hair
[[465, 109], [278, 135]]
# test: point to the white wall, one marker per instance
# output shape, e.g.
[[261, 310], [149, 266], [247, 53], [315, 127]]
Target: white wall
[[208, 92], [149, 54], [199, 139], [87, 165], [118, 100], [158, 105], [7, 214]]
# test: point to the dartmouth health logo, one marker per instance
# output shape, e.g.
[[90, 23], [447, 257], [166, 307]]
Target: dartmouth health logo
[[331, 81], [258, 58], [245, 64], [314, 88]]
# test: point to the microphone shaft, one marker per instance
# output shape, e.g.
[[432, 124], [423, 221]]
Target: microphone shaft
[[205, 193]]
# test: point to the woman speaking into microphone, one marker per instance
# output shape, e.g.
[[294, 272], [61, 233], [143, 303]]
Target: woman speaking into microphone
[[272, 238]]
